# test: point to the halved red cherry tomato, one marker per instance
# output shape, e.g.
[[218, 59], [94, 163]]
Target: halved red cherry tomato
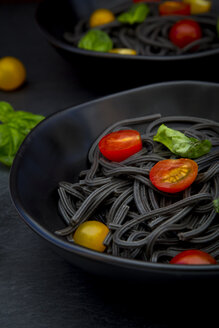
[[184, 32], [193, 256], [119, 145], [173, 175], [174, 8]]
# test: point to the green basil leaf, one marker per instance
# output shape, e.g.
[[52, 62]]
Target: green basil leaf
[[216, 204], [136, 14], [180, 144], [96, 40], [10, 141], [5, 111], [198, 148], [24, 121], [14, 128]]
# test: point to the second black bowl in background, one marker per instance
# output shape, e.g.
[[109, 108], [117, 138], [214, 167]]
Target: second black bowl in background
[[118, 72]]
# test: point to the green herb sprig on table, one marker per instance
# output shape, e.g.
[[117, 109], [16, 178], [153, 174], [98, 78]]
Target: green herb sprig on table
[[14, 127]]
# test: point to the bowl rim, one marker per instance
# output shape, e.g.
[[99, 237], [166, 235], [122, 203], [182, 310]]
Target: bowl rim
[[59, 44], [77, 249]]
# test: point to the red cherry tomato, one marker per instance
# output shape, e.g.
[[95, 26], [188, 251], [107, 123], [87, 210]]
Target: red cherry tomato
[[173, 175], [193, 256], [174, 8], [184, 32], [119, 145]]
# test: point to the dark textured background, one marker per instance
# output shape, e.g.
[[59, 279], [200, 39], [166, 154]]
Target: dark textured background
[[37, 287]]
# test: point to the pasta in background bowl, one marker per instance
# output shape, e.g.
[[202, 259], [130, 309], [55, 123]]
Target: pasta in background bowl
[[156, 59]]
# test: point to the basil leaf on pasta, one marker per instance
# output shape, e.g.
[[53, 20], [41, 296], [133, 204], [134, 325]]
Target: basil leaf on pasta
[[136, 14], [96, 40], [181, 145], [216, 205]]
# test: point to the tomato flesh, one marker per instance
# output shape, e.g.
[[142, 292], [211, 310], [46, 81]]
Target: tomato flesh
[[119, 145], [173, 175], [91, 234], [184, 32], [193, 256], [174, 8]]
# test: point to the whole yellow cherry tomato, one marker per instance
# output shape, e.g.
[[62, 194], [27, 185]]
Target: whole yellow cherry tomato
[[12, 73], [91, 234], [101, 17], [123, 51], [199, 6]]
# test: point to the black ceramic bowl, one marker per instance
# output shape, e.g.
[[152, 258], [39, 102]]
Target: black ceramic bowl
[[55, 17], [56, 150]]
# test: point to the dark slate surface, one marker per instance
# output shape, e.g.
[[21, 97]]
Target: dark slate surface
[[37, 287]]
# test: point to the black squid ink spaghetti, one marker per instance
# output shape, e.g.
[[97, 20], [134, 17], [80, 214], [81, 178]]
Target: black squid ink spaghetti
[[148, 37], [143, 221]]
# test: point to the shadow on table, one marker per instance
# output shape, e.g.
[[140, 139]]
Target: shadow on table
[[110, 76], [174, 304]]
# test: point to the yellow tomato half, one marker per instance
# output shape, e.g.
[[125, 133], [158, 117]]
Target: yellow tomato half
[[199, 6], [123, 51], [91, 234], [101, 17]]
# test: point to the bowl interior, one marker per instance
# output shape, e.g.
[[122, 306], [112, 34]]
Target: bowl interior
[[56, 150]]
